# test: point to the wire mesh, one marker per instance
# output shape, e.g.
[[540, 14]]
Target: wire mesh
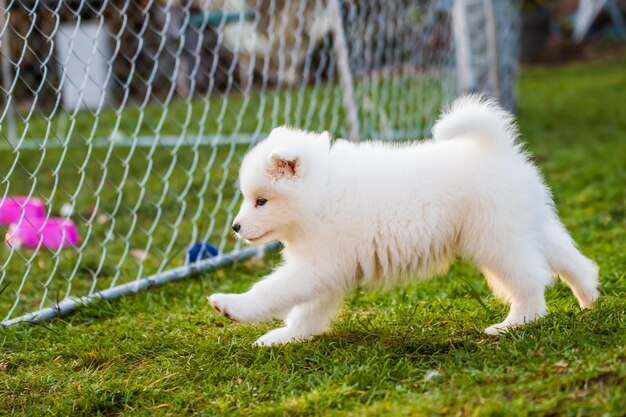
[[487, 47], [125, 121]]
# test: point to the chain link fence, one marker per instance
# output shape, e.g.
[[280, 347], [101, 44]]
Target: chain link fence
[[122, 123]]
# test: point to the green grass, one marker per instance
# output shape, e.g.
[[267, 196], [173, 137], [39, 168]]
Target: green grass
[[417, 350], [315, 107]]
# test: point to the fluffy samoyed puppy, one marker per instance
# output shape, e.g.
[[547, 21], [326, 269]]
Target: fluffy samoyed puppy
[[374, 214]]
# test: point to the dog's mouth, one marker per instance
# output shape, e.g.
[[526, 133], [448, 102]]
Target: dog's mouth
[[254, 239]]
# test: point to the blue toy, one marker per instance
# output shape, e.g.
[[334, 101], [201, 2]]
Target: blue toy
[[199, 251]]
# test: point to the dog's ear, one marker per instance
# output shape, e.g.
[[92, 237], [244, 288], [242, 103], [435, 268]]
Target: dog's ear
[[283, 164]]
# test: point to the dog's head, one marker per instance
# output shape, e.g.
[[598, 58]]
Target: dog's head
[[282, 181]]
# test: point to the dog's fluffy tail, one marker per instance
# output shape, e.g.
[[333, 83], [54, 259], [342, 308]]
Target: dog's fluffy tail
[[475, 117]]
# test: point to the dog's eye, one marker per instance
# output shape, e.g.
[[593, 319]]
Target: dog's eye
[[260, 202]]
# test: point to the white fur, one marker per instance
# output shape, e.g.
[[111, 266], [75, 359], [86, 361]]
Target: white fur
[[376, 214]]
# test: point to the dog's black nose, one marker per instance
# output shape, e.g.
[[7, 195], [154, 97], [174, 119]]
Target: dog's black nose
[[236, 227]]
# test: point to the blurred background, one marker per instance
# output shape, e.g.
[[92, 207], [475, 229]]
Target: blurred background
[[561, 31]]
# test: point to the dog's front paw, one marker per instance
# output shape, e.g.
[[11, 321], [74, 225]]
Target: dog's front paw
[[281, 336], [232, 306], [498, 329]]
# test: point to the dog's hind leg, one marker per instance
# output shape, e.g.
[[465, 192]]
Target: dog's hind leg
[[565, 260], [304, 321], [519, 279]]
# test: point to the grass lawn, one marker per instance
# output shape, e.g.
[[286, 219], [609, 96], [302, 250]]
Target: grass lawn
[[417, 350]]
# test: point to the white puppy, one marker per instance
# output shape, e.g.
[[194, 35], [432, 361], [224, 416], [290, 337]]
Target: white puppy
[[374, 214]]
